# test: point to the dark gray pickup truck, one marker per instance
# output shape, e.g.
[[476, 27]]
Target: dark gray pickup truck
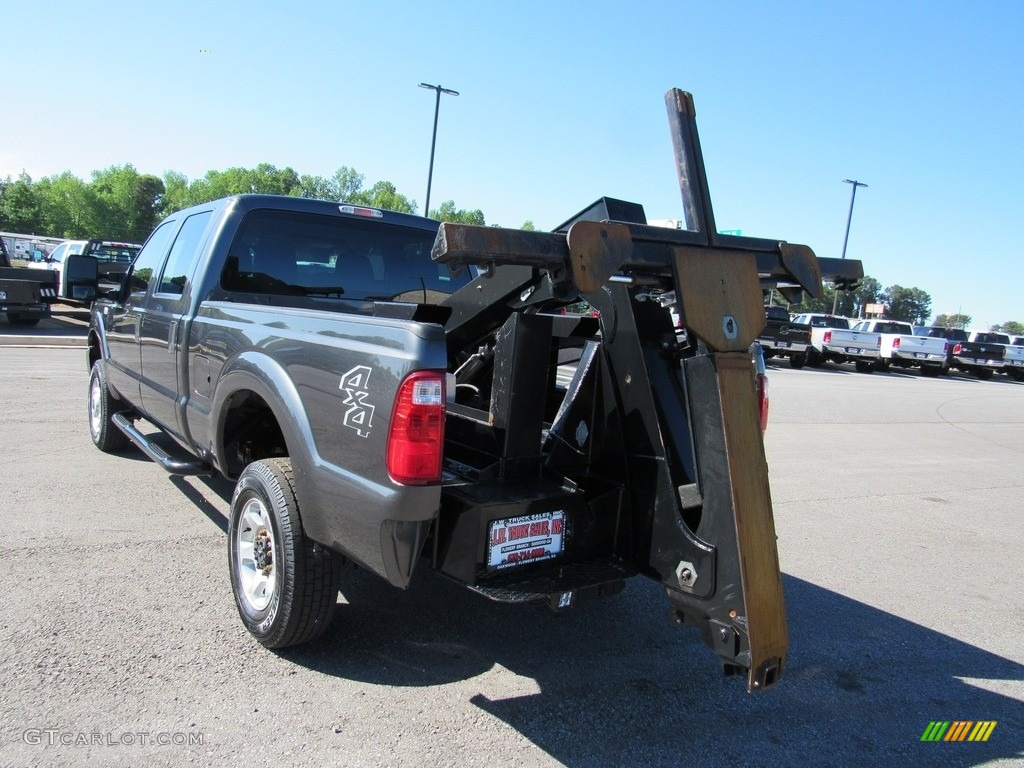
[[404, 395], [783, 337], [981, 357]]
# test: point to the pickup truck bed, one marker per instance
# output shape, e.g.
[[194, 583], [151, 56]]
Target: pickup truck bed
[[1014, 358], [25, 296], [900, 347], [832, 340], [982, 359]]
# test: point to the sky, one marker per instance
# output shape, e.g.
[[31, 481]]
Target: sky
[[561, 103]]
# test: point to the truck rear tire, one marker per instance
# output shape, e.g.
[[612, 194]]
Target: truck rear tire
[[984, 373], [798, 360], [103, 405], [285, 585], [16, 318], [863, 366]]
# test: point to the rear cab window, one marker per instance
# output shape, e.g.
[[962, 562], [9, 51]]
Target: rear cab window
[[291, 253]]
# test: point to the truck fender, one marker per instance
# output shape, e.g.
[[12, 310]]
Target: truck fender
[[99, 332], [392, 550], [264, 376]]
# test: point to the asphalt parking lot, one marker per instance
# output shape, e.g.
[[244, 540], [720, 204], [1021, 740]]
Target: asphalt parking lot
[[898, 504], [66, 328]]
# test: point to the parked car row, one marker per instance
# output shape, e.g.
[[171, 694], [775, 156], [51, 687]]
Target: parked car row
[[814, 338]]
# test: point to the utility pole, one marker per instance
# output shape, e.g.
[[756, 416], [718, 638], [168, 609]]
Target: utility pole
[[846, 237], [433, 140]]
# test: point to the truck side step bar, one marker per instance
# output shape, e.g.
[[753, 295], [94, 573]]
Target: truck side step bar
[[156, 453]]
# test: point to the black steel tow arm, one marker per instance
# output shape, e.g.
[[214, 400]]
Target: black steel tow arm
[[680, 430]]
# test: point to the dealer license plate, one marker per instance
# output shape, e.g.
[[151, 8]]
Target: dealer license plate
[[919, 354], [527, 539], [782, 343], [853, 350]]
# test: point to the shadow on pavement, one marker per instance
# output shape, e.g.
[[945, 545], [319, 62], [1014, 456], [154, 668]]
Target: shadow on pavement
[[613, 683]]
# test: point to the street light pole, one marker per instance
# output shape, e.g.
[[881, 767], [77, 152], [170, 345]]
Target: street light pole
[[846, 237], [433, 140]]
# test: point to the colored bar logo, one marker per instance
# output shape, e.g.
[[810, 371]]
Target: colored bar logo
[[958, 730]]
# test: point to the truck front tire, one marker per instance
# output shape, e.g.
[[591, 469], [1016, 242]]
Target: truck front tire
[[285, 585], [102, 405]]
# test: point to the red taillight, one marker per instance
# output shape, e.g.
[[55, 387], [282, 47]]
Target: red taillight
[[761, 380], [895, 342], [958, 348], [827, 337], [416, 438]]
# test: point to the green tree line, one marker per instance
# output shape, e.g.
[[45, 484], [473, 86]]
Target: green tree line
[[121, 203], [912, 305]]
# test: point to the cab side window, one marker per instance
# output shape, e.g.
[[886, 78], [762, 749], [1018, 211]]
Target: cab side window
[[57, 257], [150, 257], [183, 254]]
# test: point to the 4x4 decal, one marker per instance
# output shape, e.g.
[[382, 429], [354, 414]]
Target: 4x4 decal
[[359, 415]]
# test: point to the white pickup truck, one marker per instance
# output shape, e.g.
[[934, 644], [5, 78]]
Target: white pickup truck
[[1016, 348], [833, 340], [900, 347]]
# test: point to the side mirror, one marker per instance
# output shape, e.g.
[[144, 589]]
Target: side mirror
[[80, 278]]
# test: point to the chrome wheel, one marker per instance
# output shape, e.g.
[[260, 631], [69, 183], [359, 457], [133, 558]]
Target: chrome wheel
[[96, 414], [256, 554]]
